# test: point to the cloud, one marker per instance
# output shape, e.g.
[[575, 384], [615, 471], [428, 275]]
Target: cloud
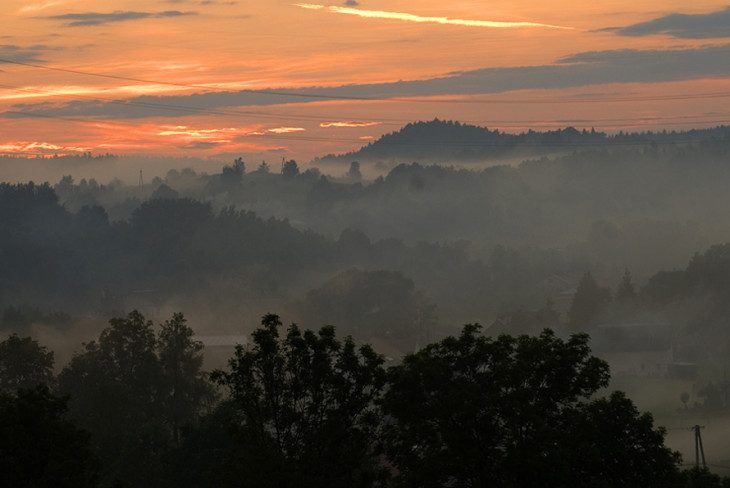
[[581, 69], [406, 17], [84, 19], [204, 144], [348, 124], [23, 54], [686, 26], [286, 130], [351, 3], [200, 2], [35, 7], [36, 147]]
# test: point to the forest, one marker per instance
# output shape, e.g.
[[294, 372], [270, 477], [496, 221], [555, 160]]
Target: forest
[[302, 408], [594, 284]]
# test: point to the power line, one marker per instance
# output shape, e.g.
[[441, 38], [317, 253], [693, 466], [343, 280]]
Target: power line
[[474, 144], [294, 94], [601, 123]]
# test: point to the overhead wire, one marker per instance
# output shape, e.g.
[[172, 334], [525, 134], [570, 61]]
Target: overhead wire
[[409, 99]]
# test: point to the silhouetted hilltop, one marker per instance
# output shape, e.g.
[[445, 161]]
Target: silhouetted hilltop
[[446, 140]]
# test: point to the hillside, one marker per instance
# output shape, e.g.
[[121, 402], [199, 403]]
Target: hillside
[[447, 141]]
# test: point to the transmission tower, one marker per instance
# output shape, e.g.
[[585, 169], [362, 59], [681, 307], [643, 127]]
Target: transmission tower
[[699, 450]]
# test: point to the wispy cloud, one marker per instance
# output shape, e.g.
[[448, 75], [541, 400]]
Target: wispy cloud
[[201, 2], [581, 69], [36, 7], [687, 26], [21, 147], [286, 130], [406, 17], [351, 123], [24, 54], [183, 130], [84, 19]]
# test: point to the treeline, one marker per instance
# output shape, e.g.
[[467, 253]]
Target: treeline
[[299, 408], [688, 308], [452, 141], [184, 250], [644, 197]]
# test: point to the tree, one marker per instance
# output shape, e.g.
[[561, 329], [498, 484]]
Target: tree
[[234, 173], [354, 174], [626, 292], [608, 442], [476, 411], [373, 305], [209, 454], [39, 446], [135, 393], [186, 389], [290, 169], [703, 478], [115, 386], [684, 398], [164, 192], [24, 364], [304, 404], [589, 300]]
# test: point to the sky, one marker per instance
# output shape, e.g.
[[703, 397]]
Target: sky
[[266, 80]]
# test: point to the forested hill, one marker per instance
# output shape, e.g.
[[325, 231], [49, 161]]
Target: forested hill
[[444, 141]]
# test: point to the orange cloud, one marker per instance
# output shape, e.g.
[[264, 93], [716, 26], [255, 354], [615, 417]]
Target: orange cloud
[[348, 124], [35, 7], [182, 130], [286, 130], [382, 14], [20, 147]]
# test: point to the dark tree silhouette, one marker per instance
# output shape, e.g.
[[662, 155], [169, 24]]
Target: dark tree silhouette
[[39, 446], [115, 387], [608, 442], [475, 411], [353, 174], [24, 364], [135, 393], [290, 169], [373, 305], [186, 389], [304, 408], [234, 173], [589, 300]]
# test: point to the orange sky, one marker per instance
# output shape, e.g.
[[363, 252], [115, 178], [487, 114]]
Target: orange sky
[[511, 52]]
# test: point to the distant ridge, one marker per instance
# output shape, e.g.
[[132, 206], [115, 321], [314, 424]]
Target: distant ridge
[[447, 140]]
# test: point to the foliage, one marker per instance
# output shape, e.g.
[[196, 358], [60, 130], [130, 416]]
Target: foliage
[[304, 407], [39, 446], [134, 392], [181, 359], [24, 364], [626, 292], [370, 305], [588, 302], [480, 411], [290, 169]]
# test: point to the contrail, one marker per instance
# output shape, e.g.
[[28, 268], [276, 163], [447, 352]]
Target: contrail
[[382, 14]]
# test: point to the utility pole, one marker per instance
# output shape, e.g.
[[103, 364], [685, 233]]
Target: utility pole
[[699, 450]]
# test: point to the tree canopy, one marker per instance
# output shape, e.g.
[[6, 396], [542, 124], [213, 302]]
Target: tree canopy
[[304, 405], [480, 411]]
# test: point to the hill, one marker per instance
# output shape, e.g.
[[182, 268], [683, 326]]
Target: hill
[[451, 141]]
